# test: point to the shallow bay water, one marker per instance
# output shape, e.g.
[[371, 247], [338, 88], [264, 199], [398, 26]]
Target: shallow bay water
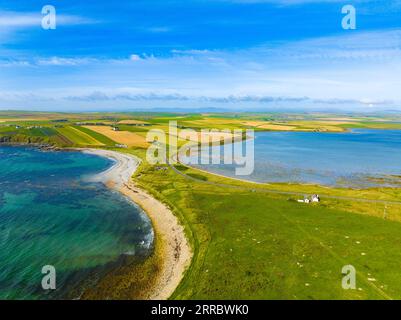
[[360, 158], [51, 215]]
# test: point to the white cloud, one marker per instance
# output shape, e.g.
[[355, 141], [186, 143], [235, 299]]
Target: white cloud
[[58, 61], [135, 94], [357, 69], [193, 52], [135, 57], [14, 20]]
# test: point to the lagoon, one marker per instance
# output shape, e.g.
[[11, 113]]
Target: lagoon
[[360, 158]]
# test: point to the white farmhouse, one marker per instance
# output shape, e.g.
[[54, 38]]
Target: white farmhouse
[[315, 198]]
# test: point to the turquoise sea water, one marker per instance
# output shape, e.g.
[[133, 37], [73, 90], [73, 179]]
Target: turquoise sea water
[[360, 158], [49, 215]]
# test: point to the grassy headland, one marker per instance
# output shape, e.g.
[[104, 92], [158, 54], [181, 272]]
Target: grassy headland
[[248, 242]]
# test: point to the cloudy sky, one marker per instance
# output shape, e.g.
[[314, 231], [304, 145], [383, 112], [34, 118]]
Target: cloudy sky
[[225, 54]]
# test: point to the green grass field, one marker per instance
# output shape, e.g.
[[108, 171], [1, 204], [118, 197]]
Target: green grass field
[[252, 245], [78, 137], [43, 135], [97, 136], [248, 242]]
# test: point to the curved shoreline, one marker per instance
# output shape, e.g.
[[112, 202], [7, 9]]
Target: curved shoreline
[[176, 251]]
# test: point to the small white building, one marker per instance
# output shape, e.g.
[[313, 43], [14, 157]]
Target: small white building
[[314, 198], [305, 200]]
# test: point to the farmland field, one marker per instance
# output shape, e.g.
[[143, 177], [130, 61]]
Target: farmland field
[[123, 137], [271, 246], [97, 136], [78, 136]]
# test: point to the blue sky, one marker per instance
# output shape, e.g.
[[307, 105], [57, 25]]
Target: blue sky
[[227, 54]]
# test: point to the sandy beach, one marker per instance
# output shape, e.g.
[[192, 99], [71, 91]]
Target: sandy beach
[[177, 253]]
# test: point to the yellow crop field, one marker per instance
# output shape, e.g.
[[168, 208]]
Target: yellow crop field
[[21, 119], [130, 139], [132, 122], [209, 136], [278, 127]]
